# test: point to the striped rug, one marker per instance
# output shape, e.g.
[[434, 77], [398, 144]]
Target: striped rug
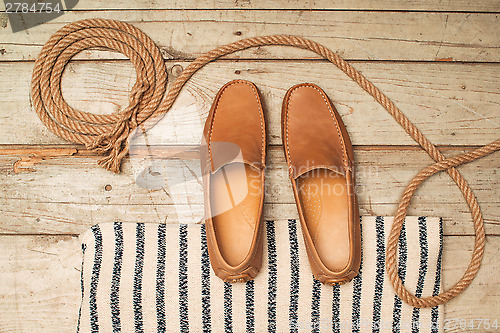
[[140, 277]]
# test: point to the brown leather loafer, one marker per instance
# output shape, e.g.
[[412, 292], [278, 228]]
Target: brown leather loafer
[[319, 155], [233, 162]]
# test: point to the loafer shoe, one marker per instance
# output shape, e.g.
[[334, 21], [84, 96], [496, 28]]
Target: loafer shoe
[[320, 161], [233, 161]]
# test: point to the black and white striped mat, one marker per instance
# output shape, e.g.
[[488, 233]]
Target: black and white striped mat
[[140, 277]]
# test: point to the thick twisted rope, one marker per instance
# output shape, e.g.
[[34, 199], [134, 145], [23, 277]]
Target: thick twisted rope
[[477, 255], [104, 134], [109, 134]]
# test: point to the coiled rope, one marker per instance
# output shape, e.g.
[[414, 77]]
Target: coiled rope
[[109, 134], [104, 134]]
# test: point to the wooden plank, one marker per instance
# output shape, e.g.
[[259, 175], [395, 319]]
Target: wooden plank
[[450, 103], [421, 5], [46, 218], [481, 299], [40, 287], [21, 217], [366, 35], [66, 194]]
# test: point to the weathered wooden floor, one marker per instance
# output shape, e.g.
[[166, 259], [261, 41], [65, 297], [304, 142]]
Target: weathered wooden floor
[[437, 60]]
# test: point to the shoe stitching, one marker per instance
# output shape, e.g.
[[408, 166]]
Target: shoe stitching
[[263, 135], [331, 113]]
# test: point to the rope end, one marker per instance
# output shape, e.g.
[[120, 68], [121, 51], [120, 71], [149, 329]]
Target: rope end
[[115, 147], [111, 163]]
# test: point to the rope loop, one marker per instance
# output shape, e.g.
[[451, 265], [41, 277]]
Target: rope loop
[[109, 134], [104, 134], [478, 252]]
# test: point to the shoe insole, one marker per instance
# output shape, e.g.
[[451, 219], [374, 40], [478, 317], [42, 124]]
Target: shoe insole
[[325, 204], [235, 196]]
